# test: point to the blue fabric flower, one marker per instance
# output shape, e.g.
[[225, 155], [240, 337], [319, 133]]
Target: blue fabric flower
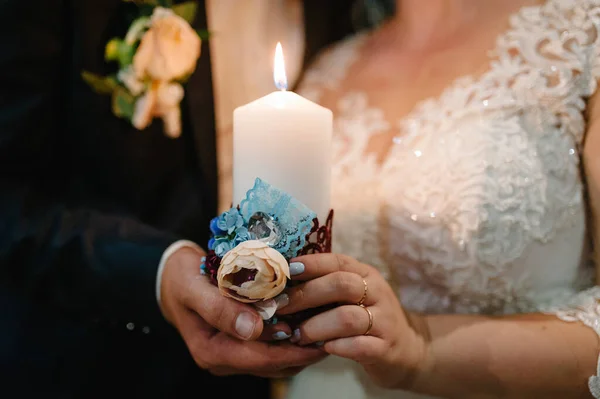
[[214, 227], [242, 234], [211, 243], [230, 220], [223, 246]]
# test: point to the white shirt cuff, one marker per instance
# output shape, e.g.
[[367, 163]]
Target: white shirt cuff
[[165, 256]]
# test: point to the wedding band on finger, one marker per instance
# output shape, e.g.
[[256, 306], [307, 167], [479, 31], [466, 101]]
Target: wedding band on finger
[[364, 296], [370, 319]]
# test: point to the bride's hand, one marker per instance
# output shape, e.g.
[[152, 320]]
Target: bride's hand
[[390, 343]]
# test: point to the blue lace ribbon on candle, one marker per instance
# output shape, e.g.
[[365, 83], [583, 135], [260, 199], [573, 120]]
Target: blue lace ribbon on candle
[[293, 218]]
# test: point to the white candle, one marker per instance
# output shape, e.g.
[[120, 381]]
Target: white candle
[[285, 140]]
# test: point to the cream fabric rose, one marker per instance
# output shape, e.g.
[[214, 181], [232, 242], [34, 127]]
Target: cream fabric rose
[[161, 100], [234, 276], [169, 49]]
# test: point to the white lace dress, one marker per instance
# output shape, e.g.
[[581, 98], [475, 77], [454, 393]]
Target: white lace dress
[[479, 206]]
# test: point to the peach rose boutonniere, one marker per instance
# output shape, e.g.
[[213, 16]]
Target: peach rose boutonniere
[[157, 55]]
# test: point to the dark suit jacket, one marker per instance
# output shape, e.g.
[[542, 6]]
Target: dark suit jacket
[[88, 205]]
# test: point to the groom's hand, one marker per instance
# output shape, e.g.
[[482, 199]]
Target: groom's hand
[[222, 333]]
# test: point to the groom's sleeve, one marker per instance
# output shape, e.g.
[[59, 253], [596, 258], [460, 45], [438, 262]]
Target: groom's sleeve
[[83, 262], [86, 263]]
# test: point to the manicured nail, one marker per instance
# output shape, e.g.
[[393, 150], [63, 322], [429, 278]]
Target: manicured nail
[[296, 268], [320, 343], [282, 300], [295, 336], [244, 325], [280, 336]]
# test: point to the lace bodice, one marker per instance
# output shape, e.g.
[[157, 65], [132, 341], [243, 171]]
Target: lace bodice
[[479, 206]]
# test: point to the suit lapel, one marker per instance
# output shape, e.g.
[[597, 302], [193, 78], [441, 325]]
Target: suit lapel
[[200, 110]]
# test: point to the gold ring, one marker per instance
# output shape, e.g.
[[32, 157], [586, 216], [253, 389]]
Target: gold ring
[[364, 296], [370, 319]]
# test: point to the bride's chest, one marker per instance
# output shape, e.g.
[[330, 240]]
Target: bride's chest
[[475, 199], [495, 143], [467, 202]]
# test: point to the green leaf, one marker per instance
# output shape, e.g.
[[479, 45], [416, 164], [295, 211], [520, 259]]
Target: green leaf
[[123, 103], [100, 84], [204, 34], [121, 51], [186, 10], [125, 54], [111, 51]]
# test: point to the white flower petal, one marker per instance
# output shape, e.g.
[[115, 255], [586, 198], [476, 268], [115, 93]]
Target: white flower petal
[[266, 309], [144, 110], [172, 122], [129, 78], [169, 95], [135, 30], [161, 13]]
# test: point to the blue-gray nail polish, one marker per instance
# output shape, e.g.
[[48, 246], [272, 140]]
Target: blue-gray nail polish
[[296, 268], [280, 336], [295, 336], [320, 343]]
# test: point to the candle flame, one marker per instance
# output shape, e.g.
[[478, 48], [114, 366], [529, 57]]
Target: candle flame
[[279, 69]]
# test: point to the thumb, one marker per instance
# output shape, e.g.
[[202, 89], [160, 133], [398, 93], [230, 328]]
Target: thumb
[[225, 314]]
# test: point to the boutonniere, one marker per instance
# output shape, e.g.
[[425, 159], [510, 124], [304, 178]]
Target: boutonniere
[[156, 56]]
